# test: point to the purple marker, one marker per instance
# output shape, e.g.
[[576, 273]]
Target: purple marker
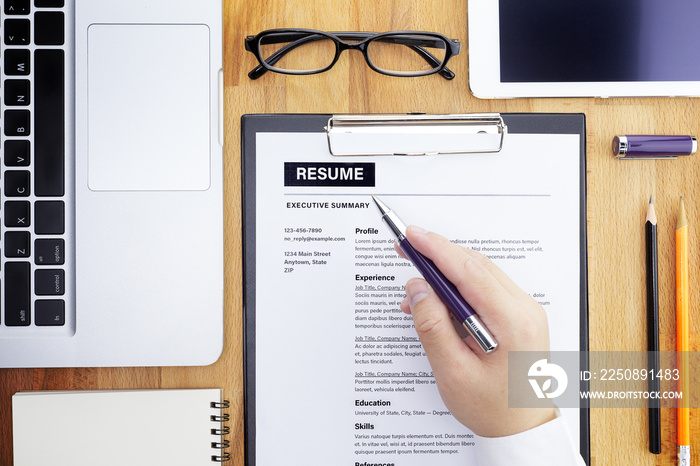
[[443, 287], [648, 147]]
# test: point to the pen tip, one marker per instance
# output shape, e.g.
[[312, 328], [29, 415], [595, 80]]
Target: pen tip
[[380, 205]]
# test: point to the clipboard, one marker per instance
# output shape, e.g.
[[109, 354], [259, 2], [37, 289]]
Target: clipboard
[[490, 130]]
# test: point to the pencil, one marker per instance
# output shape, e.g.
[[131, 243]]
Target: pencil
[[653, 330], [683, 407]]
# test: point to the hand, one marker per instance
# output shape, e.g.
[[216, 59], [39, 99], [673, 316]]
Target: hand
[[473, 384]]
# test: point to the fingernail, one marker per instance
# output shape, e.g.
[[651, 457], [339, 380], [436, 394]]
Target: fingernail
[[416, 290], [416, 230], [405, 306]]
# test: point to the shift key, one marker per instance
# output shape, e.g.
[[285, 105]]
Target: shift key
[[17, 294]]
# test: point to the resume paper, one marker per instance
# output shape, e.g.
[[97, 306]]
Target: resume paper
[[340, 375]]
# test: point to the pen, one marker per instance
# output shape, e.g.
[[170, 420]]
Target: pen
[[683, 408], [646, 146], [653, 329], [443, 287]]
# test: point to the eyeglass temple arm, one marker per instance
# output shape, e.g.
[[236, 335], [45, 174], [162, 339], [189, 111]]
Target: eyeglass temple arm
[[260, 70]]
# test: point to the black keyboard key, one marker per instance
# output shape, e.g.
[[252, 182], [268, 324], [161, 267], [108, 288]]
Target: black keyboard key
[[48, 28], [50, 312], [17, 32], [49, 251], [17, 62], [17, 244], [17, 214], [49, 282], [17, 123], [17, 92], [17, 183], [49, 218], [17, 294], [16, 153], [48, 3], [16, 7], [49, 122]]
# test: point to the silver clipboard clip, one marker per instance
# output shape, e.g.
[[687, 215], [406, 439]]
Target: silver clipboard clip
[[353, 135]]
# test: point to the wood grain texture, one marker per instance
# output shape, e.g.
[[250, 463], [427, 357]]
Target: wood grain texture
[[618, 193]]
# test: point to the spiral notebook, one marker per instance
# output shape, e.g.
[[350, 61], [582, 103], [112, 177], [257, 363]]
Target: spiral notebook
[[110, 428]]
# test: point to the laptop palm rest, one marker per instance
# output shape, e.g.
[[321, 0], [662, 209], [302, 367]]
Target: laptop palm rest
[[149, 202], [148, 107]]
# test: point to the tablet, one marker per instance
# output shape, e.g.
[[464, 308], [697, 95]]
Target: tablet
[[594, 48]]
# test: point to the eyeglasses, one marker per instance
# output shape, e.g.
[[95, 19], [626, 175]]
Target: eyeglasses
[[307, 51]]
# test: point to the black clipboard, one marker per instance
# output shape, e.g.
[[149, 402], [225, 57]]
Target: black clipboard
[[528, 123]]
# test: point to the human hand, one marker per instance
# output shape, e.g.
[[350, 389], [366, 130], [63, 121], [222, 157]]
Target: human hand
[[473, 384]]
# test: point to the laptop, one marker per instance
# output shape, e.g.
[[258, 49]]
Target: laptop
[[111, 243]]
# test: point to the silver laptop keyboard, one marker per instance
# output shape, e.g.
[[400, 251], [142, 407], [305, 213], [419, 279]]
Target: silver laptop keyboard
[[33, 208]]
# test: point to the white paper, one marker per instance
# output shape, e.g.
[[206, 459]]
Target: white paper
[[328, 341]]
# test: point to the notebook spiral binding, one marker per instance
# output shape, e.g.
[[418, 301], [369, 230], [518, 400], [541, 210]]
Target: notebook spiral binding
[[222, 445]]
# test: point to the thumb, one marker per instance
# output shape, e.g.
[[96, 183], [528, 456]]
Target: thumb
[[441, 342]]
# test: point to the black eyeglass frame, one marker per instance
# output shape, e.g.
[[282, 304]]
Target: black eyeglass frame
[[252, 44]]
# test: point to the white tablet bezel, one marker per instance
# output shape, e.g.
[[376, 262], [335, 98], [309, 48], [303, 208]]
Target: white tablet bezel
[[484, 69]]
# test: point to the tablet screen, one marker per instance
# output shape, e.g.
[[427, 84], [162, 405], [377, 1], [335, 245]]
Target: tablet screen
[[599, 40]]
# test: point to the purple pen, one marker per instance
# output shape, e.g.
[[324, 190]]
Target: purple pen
[[647, 147], [443, 287]]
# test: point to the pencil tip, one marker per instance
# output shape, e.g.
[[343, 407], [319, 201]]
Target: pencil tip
[[651, 214], [682, 219], [651, 199]]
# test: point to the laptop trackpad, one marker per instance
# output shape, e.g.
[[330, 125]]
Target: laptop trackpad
[[148, 107]]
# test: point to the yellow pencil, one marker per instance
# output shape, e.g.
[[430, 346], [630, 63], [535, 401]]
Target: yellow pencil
[[682, 347]]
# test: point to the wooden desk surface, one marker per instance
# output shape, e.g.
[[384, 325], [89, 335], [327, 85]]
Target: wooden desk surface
[[618, 193]]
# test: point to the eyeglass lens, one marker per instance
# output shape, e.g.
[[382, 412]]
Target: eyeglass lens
[[298, 51], [402, 54]]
